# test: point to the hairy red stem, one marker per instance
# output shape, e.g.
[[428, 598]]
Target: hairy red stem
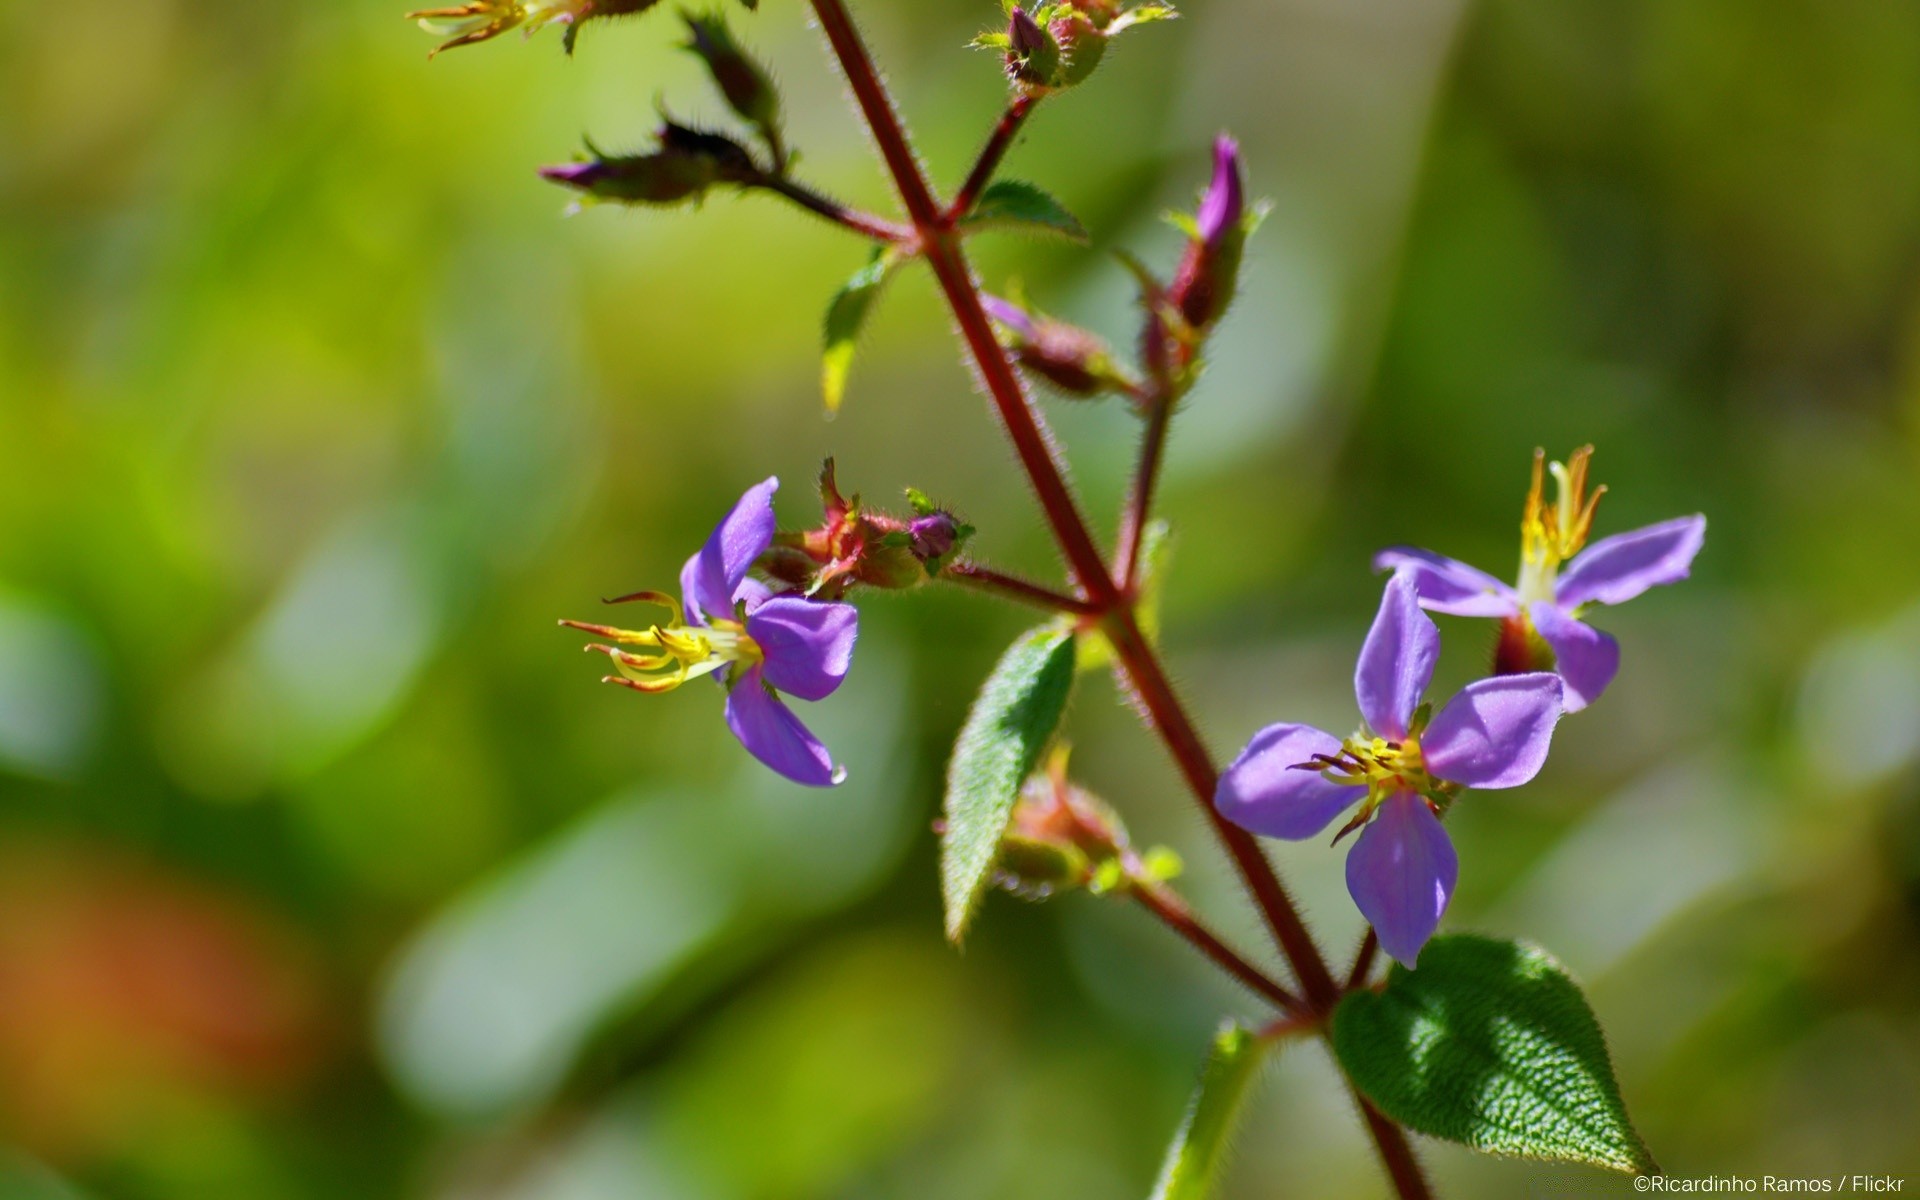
[[998, 143], [1013, 587], [1166, 904]]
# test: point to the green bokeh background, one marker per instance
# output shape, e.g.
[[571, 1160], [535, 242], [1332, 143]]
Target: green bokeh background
[[326, 869]]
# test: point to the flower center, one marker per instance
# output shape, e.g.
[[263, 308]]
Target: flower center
[[681, 651], [1384, 768], [1551, 534]]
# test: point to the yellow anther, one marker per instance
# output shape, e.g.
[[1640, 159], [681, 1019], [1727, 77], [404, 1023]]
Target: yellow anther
[[686, 651], [1552, 534]]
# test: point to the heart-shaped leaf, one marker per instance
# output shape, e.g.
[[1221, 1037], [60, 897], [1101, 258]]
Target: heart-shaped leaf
[[1491, 1044], [1012, 720]]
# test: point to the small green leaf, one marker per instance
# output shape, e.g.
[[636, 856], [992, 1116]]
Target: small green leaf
[[1012, 720], [1011, 204], [1491, 1044], [1199, 1149], [846, 314], [1140, 16]]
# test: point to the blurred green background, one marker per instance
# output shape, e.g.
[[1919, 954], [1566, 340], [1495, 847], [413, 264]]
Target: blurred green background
[[327, 869]]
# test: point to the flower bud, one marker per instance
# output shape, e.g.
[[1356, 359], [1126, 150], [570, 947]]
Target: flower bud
[[857, 545], [1203, 287], [483, 20], [1033, 57], [744, 83], [687, 163], [1068, 357]]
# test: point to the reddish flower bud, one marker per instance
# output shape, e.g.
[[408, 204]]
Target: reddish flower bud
[[1203, 287], [1068, 357], [857, 545], [1033, 57], [687, 163]]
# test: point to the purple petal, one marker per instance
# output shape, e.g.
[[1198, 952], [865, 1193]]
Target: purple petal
[[1586, 658], [768, 729], [1401, 874], [1495, 732], [1015, 319], [1225, 204], [1397, 660], [1448, 585], [711, 577], [1616, 569], [1262, 793], [808, 644]]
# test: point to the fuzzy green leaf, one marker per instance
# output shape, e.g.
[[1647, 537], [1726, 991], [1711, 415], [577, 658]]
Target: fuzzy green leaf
[[1011, 204], [1199, 1149], [1491, 1044], [846, 315], [1012, 720]]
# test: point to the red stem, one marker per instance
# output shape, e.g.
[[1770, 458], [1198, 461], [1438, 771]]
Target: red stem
[[1363, 961], [862, 223], [1396, 1153], [1015, 588], [1133, 523], [998, 143], [1164, 903]]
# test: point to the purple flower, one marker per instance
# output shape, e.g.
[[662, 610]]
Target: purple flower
[[1403, 769], [766, 644], [1545, 605]]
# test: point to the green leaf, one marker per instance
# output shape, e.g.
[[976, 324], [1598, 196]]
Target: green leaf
[[1199, 1149], [1013, 719], [1491, 1044], [846, 314], [1011, 204]]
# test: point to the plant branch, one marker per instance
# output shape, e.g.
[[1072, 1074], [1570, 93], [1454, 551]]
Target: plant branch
[[1138, 663], [1013, 587], [863, 223], [1363, 961], [1396, 1153], [1146, 477], [998, 143], [1165, 903]]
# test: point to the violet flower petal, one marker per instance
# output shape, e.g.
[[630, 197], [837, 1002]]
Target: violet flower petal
[[1260, 791], [1225, 203], [710, 578], [1397, 660], [1586, 658], [808, 644], [1448, 585], [1616, 569], [1401, 874], [770, 731], [1495, 732]]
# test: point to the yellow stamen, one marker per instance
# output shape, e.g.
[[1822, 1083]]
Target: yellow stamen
[[686, 651], [1551, 534]]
